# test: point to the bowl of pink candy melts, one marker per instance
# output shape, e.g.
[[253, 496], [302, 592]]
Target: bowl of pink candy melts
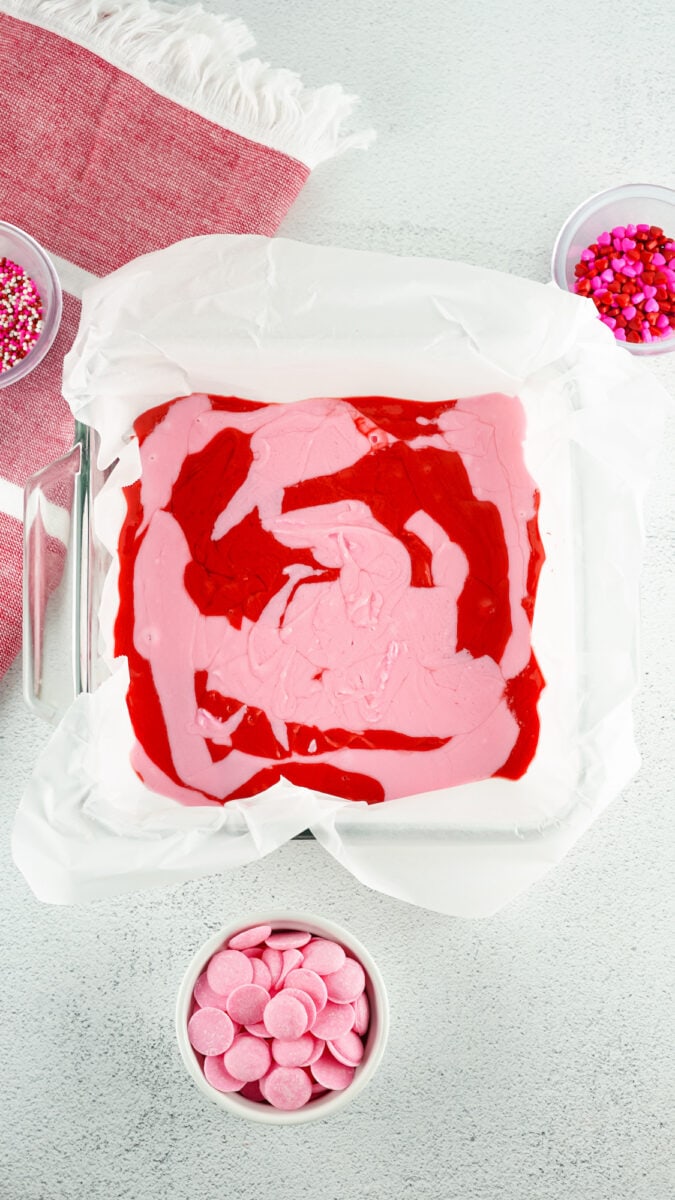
[[282, 1018]]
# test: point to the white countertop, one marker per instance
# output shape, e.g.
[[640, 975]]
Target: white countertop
[[531, 1055]]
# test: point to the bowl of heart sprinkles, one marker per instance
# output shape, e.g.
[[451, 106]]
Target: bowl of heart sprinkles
[[618, 250], [30, 303], [282, 1018]]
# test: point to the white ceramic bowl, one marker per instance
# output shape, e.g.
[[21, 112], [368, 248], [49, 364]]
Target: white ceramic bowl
[[631, 204], [27, 253], [376, 1039]]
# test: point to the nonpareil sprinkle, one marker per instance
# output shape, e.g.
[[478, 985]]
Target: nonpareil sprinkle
[[629, 274], [21, 314]]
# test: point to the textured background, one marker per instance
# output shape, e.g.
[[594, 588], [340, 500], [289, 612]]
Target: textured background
[[531, 1055]]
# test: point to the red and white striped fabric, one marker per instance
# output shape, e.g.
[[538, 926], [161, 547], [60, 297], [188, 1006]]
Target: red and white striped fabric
[[126, 126]]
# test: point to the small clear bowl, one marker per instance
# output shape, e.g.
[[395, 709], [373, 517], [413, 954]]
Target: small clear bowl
[[378, 1031], [631, 204], [27, 253]]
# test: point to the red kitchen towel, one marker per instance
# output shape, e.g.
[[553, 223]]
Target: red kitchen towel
[[126, 126]]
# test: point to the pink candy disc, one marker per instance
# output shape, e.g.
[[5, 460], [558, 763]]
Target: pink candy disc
[[257, 1030], [333, 1021], [310, 983], [205, 995], [249, 937], [361, 1015], [227, 970], [347, 983], [306, 1001], [291, 960], [323, 957], [348, 1048], [288, 1088], [287, 939], [246, 1004], [319, 1047], [261, 974], [248, 1058], [218, 1077], [298, 1052], [274, 962], [330, 1073], [285, 1017], [210, 1031]]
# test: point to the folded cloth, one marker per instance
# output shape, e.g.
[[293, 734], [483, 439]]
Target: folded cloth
[[126, 126]]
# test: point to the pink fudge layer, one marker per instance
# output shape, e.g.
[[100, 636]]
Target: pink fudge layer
[[337, 592]]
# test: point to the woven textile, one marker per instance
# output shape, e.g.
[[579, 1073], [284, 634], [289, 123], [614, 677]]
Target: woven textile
[[101, 164]]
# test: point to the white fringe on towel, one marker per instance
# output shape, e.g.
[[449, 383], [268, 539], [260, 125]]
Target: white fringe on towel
[[193, 57]]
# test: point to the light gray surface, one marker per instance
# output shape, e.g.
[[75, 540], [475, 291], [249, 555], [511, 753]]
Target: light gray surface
[[531, 1055]]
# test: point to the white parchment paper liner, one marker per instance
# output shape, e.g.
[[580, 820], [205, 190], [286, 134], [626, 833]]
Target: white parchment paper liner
[[275, 320]]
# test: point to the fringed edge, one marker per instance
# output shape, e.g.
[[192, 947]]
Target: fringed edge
[[193, 58]]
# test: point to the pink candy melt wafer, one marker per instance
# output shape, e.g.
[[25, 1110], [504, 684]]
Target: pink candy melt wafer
[[323, 956], [287, 1088], [298, 1052], [285, 1017], [287, 939], [310, 983], [249, 937], [274, 962], [306, 1001], [261, 974], [248, 1058], [205, 995], [361, 1015], [258, 1030], [246, 1004], [218, 1077], [348, 1048], [319, 1047], [210, 1031], [333, 1021], [227, 970], [347, 983], [290, 960], [330, 1073]]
